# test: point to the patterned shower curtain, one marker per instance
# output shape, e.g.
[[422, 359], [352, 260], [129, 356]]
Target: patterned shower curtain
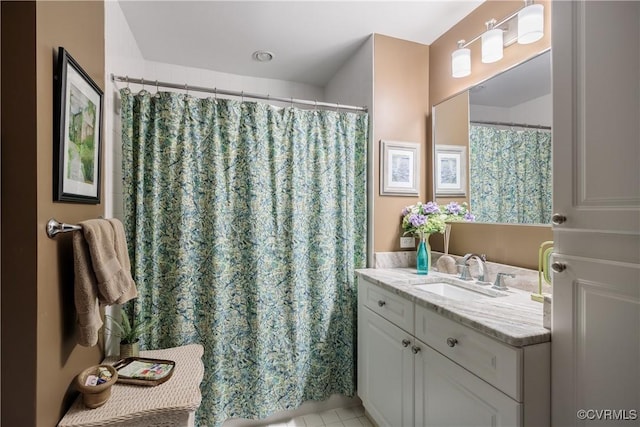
[[246, 223], [510, 174]]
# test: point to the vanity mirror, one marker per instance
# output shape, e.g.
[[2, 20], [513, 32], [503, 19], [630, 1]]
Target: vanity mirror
[[502, 127]]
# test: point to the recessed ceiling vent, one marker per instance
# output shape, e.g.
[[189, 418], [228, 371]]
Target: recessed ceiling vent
[[262, 56]]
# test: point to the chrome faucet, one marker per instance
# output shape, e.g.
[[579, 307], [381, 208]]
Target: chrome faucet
[[499, 283], [464, 263]]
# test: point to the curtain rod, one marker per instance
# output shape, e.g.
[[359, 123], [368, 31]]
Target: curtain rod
[[241, 94], [520, 125]]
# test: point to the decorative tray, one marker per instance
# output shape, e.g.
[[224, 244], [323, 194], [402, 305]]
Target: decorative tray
[[144, 371]]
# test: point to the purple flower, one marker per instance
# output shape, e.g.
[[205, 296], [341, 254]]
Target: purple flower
[[406, 210], [430, 208], [417, 220], [453, 208], [469, 217]]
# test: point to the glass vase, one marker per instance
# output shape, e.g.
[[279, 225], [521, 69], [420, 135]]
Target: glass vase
[[423, 256]]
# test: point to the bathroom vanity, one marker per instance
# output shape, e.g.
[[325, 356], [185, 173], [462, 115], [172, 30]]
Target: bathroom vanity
[[437, 351]]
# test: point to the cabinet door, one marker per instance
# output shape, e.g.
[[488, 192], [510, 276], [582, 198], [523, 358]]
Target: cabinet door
[[596, 299], [385, 370], [596, 343], [448, 395]]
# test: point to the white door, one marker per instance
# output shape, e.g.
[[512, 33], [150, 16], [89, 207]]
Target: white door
[[446, 395], [385, 370], [596, 178]]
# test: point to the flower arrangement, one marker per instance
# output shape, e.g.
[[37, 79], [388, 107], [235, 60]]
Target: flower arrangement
[[427, 218]]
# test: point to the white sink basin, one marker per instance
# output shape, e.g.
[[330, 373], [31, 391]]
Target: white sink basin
[[453, 292]]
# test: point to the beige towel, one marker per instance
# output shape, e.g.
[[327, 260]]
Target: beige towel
[[85, 293], [110, 260], [102, 274]]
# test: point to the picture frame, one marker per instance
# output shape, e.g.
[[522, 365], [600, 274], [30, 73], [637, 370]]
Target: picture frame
[[77, 133], [399, 168], [450, 164]]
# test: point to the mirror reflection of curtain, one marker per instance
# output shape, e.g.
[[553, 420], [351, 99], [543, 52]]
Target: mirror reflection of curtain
[[510, 174]]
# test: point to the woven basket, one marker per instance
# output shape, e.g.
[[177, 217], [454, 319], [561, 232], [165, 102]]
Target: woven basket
[[95, 396]]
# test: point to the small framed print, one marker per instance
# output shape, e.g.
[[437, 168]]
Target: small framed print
[[77, 136], [450, 171], [399, 168]]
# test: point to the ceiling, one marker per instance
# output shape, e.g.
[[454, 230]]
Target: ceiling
[[310, 40], [507, 90]]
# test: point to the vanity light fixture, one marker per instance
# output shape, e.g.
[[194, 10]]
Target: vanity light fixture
[[492, 43], [461, 61], [530, 24]]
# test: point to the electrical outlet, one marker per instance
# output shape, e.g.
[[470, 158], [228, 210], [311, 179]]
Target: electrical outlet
[[407, 242]]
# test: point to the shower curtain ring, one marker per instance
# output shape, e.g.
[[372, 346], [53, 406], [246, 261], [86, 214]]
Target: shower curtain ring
[[291, 102], [215, 95], [142, 81], [186, 89], [241, 96], [316, 106], [126, 79]]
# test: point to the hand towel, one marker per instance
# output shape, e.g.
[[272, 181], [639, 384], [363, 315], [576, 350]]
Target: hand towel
[[85, 293], [115, 284], [102, 274], [122, 252]]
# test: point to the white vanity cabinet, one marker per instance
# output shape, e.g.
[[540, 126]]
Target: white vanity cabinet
[[418, 368]]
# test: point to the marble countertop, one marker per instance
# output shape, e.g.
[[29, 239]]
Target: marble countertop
[[513, 318]]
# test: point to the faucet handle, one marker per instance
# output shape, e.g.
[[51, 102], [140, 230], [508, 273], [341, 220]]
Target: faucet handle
[[499, 283], [465, 274]]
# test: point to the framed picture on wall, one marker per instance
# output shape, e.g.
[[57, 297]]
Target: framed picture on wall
[[77, 133], [399, 168], [450, 171]]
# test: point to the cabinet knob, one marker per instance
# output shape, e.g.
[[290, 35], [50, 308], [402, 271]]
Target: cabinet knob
[[405, 342], [415, 349], [558, 267], [451, 342], [558, 219], [381, 303]]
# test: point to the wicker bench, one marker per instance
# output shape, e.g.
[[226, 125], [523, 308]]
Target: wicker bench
[[172, 403]]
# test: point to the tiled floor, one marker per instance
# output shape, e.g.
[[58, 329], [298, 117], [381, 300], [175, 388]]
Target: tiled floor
[[341, 417]]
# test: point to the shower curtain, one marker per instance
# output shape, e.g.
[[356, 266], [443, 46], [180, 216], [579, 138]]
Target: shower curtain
[[246, 222], [510, 174]]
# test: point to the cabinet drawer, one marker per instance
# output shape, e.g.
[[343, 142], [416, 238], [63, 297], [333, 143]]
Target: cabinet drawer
[[495, 362], [392, 307]]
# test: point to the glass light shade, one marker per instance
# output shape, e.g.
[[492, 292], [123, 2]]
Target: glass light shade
[[492, 46], [461, 62], [531, 24]]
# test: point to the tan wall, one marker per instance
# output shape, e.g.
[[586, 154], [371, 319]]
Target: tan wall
[[451, 127], [45, 269], [509, 244], [401, 107]]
